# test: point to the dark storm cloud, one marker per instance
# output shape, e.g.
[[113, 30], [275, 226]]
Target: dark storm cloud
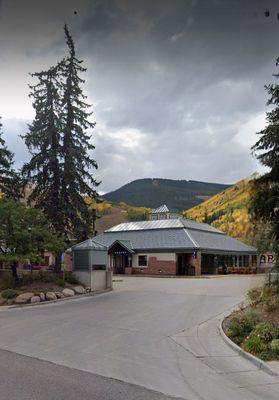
[[177, 85]]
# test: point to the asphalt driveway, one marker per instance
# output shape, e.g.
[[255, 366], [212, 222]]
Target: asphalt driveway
[[154, 332]]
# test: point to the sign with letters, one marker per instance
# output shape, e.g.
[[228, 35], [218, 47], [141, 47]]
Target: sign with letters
[[267, 260]]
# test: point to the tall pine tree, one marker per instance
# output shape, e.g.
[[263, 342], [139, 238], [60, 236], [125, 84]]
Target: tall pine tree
[[265, 202], [58, 141], [9, 180], [43, 171], [77, 181]]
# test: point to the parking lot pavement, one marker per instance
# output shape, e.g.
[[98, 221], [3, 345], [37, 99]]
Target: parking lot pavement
[[158, 333]]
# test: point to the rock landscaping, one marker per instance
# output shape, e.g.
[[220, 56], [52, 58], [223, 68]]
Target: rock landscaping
[[79, 290], [40, 287], [24, 298], [256, 328], [51, 296], [68, 292]]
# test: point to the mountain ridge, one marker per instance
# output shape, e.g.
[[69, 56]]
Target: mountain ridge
[[177, 194]]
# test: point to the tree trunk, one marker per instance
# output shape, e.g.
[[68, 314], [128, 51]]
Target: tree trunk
[[58, 262], [14, 270]]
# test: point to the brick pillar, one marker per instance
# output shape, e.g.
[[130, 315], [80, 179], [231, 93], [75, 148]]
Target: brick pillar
[[196, 262]]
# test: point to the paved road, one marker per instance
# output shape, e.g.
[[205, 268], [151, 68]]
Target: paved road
[[154, 332], [25, 378]]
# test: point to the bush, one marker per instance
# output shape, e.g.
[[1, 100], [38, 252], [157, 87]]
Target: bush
[[60, 282], [267, 293], [265, 355], [265, 331], [254, 296], [274, 346], [71, 278], [8, 294], [255, 345], [271, 304], [242, 324], [45, 276], [253, 317], [7, 282]]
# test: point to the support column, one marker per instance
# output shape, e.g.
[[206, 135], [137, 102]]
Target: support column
[[196, 262], [250, 261], [237, 261]]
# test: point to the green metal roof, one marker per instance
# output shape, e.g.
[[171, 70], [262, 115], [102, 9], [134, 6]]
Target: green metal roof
[[124, 243], [174, 235]]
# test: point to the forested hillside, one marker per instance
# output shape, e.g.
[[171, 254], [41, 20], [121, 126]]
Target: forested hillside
[[177, 194], [229, 212]]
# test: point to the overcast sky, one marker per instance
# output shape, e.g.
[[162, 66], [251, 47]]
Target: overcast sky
[[177, 86]]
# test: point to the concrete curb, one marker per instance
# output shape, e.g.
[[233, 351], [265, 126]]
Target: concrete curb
[[45, 303], [256, 361], [185, 276]]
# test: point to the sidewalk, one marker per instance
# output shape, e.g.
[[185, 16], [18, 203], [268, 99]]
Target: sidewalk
[[206, 343]]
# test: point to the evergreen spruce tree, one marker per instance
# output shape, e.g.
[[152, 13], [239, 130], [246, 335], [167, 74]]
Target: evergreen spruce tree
[[59, 169], [77, 181], [265, 202], [9, 180], [43, 171]]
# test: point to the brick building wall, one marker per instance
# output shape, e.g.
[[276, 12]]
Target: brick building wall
[[157, 266]]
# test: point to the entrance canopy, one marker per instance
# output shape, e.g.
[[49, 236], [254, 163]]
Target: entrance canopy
[[121, 247], [121, 255]]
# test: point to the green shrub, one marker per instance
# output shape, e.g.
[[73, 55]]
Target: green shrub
[[267, 293], [71, 278], [265, 331], [45, 276], [60, 282], [7, 282], [274, 346], [265, 355], [253, 317], [271, 304], [8, 294], [254, 296], [242, 324], [255, 345]]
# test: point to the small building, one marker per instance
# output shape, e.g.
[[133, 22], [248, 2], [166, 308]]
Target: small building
[[91, 264], [162, 213], [174, 247]]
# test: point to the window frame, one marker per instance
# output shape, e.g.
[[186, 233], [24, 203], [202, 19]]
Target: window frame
[[145, 263]]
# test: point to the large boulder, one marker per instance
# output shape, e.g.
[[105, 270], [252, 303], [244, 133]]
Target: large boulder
[[50, 296], [59, 295], [79, 290], [68, 292], [42, 296], [35, 299], [24, 298]]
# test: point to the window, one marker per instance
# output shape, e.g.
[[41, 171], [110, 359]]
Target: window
[[81, 260], [142, 261], [246, 261], [98, 267]]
